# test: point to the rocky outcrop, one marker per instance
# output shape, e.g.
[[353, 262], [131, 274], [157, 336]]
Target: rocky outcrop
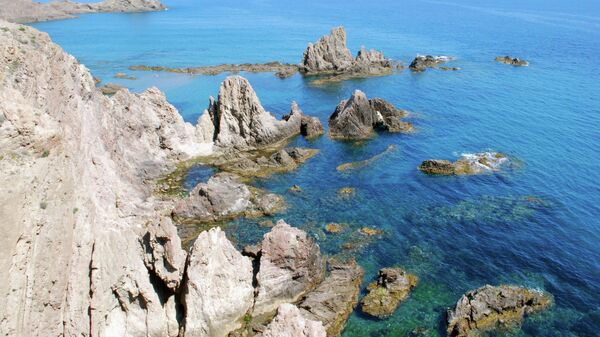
[[111, 88], [488, 307], [421, 62], [290, 266], [264, 164], [334, 299], [238, 120], [331, 56], [468, 164], [358, 117], [218, 288], [30, 11], [77, 168], [393, 286], [290, 323], [223, 197], [513, 61], [281, 70]]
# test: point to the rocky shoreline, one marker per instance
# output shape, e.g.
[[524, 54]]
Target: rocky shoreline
[[93, 250], [26, 11]]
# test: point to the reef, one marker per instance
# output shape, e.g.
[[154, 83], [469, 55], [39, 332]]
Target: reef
[[513, 61], [281, 70], [393, 286], [366, 162], [489, 307], [358, 118], [421, 62], [468, 164]]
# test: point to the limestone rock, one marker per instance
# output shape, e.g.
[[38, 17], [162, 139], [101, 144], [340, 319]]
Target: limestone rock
[[357, 117], [487, 307], [393, 285], [334, 299], [513, 61], [290, 266], [238, 120], [467, 164], [290, 323], [421, 62], [224, 196], [218, 290], [331, 56]]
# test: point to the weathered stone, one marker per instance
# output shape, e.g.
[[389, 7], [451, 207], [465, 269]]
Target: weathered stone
[[290, 266], [488, 307], [467, 164], [358, 117], [290, 323], [218, 290], [334, 299], [224, 196], [393, 286], [513, 61], [267, 163]]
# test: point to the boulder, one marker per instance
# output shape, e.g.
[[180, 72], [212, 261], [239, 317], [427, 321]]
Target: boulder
[[290, 266], [224, 196], [334, 299], [421, 62], [331, 56], [290, 323], [393, 286], [467, 164], [238, 120], [218, 291], [488, 307], [513, 61], [358, 117]]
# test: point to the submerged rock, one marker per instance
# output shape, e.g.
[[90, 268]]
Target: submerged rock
[[421, 62], [290, 266], [218, 290], [238, 120], [334, 299], [266, 163], [393, 286], [513, 61], [331, 56], [224, 196], [366, 162], [358, 117], [334, 228], [468, 164], [125, 76], [290, 323], [281, 70], [111, 88], [488, 307]]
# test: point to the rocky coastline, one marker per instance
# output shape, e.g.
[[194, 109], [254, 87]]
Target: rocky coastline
[[26, 11]]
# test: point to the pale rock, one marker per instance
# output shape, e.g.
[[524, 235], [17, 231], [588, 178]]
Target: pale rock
[[290, 323]]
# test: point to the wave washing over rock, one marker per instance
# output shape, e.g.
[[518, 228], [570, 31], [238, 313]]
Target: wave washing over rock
[[29, 11]]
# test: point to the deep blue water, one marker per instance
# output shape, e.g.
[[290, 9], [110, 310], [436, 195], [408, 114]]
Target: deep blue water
[[536, 225]]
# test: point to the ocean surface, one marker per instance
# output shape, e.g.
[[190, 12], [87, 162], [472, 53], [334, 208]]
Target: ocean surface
[[536, 224]]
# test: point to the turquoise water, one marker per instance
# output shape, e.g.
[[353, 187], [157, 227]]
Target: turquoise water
[[534, 225]]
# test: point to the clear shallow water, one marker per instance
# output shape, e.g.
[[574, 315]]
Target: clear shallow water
[[536, 225]]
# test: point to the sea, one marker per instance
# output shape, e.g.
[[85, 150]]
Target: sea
[[535, 223]]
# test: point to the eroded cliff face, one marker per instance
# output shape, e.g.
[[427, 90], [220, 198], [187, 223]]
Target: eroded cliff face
[[75, 203]]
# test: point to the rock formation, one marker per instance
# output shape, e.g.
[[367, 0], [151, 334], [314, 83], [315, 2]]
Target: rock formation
[[467, 164], [30, 11], [421, 63], [331, 56], [223, 197], [290, 323], [77, 202], [358, 117], [218, 290], [238, 120], [263, 164], [487, 307], [393, 286], [290, 266], [281, 70], [334, 299], [513, 61], [363, 163]]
